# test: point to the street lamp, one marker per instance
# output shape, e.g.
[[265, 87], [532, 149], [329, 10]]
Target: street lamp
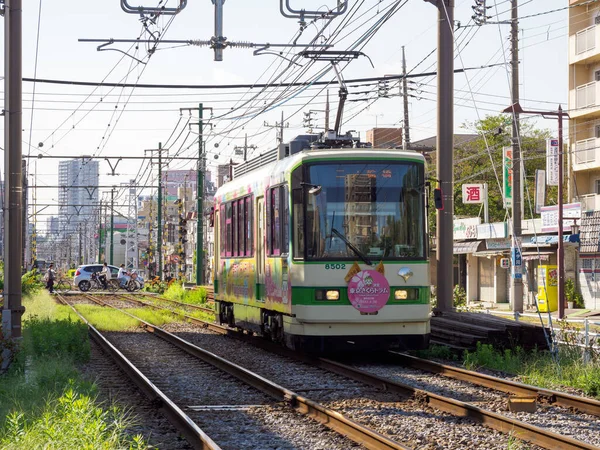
[[560, 114]]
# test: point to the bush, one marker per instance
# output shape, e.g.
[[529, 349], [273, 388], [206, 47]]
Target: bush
[[572, 295], [460, 297], [31, 282]]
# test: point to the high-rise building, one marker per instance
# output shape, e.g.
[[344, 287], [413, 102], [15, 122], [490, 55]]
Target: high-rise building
[[174, 179], [78, 193], [584, 136]]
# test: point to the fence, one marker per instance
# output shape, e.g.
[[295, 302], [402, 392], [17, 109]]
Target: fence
[[586, 339]]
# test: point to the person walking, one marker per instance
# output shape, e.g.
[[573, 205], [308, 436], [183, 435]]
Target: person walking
[[50, 277]]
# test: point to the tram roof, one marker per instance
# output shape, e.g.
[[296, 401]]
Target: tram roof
[[281, 166]]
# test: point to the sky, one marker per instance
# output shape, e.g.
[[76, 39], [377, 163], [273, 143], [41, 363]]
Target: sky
[[105, 121]]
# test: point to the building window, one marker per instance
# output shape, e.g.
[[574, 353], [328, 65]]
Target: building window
[[597, 187]]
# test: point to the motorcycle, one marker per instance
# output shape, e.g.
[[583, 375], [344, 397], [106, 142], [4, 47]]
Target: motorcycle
[[136, 282]]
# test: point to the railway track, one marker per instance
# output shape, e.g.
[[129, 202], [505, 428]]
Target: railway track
[[458, 408], [268, 411]]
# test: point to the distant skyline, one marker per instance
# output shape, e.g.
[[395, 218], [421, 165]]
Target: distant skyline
[[76, 120]]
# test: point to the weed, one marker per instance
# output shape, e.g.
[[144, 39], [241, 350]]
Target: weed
[[107, 319], [540, 368], [437, 352], [72, 420]]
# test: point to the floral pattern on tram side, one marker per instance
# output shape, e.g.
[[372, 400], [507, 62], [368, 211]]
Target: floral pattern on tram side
[[237, 279], [277, 279]]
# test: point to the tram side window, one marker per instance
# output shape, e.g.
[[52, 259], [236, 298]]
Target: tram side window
[[236, 228], [228, 230], [278, 223], [235, 251], [222, 229], [249, 226]]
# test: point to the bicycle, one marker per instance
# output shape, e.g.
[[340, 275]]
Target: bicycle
[[62, 286], [94, 284], [134, 283]]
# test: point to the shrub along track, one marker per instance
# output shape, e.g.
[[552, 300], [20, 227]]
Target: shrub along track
[[236, 415], [388, 413]]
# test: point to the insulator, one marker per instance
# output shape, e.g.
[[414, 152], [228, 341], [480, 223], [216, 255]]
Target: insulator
[[200, 43], [241, 44]]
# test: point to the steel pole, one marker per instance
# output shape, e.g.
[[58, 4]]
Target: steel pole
[[561, 249], [159, 228], [13, 195], [200, 205], [406, 142], [445, 154], [517, 275], [112, 224]]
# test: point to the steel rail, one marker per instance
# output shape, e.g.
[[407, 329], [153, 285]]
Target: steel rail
[[331, 419], [195, 436], [520, 430], [587, 405], [200, 308]]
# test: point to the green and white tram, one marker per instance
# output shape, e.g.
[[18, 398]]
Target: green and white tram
[[326, 250]]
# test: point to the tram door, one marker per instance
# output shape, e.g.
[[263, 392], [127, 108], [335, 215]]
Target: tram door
[[260, 248]]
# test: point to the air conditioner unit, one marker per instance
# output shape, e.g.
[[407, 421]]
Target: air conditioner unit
[[597, 20]]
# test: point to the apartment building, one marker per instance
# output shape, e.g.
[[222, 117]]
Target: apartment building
[[584, 134]]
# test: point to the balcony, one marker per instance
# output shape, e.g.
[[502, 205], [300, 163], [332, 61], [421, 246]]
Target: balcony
[[586, 154], [584, 45], [589, 202], [585, 100]]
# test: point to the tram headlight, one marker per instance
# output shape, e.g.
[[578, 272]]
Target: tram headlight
[[401, 294], [327, 294], [406, 294], [332, 295]]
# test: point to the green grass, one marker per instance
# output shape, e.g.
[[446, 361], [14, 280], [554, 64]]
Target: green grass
[[437, 352], [193, 296], [108, 319], [539, 368], [44, 400]]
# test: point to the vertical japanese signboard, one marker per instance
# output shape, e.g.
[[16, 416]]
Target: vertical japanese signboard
[[552, 162], [507, 174], [540, 190], [517, 263]]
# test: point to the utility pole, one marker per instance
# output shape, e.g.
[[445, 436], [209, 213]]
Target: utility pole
[[13, 207], [327, 113], [200, 194], [278, 125], [517, 274], [406, 142], [159, 228], [100, 233], [159, 243], [244, 150], [80, 252], [445, 153], [112, 224]]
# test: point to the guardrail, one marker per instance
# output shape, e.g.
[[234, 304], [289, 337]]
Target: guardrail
[[586, 339]]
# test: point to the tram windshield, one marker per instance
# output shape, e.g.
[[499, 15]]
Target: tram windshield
[[360, 211]]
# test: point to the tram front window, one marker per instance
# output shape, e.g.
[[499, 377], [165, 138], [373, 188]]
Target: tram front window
[[376, 207]]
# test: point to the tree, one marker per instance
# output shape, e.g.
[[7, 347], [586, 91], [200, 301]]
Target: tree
[[479, 160]]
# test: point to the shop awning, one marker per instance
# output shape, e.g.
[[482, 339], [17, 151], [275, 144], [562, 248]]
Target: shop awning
[[492, 253], [461, 248], [542, 256]]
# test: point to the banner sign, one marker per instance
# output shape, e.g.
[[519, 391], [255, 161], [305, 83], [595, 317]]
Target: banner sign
[[550, 217], [466, 228], [540, 190], [552, 162], [507, 175], [473, 193]]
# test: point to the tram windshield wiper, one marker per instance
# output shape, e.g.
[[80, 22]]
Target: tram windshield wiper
[[360, 254]]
